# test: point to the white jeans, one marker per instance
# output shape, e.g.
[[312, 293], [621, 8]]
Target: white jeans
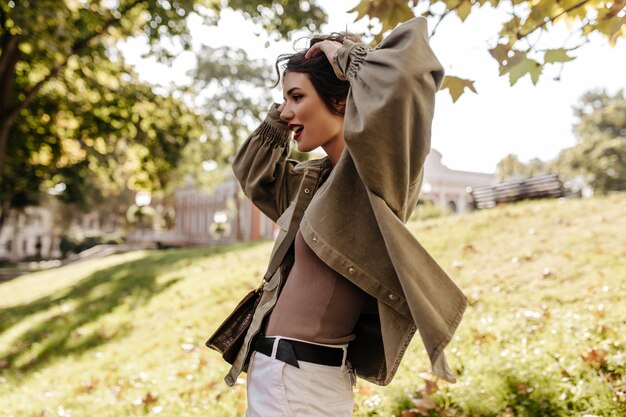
[[276, 389]]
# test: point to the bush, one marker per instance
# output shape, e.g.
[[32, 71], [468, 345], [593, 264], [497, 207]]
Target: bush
[[76, 242], [426, 209]]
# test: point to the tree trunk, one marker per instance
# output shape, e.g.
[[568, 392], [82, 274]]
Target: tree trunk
[[8, 61], [5, 210], [5, 127]]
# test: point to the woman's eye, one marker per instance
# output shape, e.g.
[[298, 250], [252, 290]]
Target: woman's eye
[[297, 97]]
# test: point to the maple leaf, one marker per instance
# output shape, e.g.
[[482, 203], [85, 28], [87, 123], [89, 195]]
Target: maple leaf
[[456, 86], [500, 53], [557, 55], [149, 398], [522, 67], [595, 357], [464, 9]]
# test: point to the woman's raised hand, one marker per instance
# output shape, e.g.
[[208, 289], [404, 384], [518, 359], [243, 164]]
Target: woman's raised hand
[[327, 48]]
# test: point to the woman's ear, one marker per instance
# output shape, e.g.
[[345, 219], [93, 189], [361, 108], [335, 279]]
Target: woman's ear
[[339, 105]]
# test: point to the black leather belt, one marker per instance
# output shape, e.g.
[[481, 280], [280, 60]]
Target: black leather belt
[[292, 351]]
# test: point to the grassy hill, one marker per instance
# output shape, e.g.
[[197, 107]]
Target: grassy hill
[[544, 334]]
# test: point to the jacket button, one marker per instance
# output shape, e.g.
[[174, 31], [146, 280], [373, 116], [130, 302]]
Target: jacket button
[[392, 297], [351, 270], [306, 191], [314, 239]]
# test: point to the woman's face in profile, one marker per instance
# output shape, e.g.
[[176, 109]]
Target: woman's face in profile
[[307, 115]]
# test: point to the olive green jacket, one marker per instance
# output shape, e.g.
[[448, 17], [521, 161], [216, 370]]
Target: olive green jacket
[[353, 215]]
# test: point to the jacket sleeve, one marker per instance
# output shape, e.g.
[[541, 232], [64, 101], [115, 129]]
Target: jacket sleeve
[[389, 110], [267, 176]]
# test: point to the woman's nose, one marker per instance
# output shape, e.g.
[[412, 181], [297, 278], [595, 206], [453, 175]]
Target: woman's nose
[[285, 113]]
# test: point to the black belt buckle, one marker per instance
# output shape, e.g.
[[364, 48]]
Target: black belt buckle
[[291, 351], [286, 353]]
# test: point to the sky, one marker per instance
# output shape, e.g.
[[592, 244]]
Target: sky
[[478, 130]]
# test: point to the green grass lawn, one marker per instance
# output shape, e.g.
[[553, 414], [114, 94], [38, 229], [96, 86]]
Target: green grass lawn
[[544, 334]]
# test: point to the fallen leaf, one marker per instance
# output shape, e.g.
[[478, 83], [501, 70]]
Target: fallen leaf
[[87, 386], [429, 388], [149, 399], [482, 338], [423, 405], [595, 357], [469, 248]]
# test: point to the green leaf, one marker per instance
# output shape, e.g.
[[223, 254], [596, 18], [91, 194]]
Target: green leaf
[[456, 86], [500, 53], [523, 67], [557, 55], [510, 62], [611, 26], [389, 12], [464, 9], [363, 8], [26, 48]]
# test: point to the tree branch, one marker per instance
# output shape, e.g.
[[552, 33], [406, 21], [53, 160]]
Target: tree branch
[[446, 13], [77, 48], [8, 116], [8, 60], [552, 19]]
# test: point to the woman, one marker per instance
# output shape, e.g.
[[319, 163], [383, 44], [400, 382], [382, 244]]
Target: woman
[[348, 285]]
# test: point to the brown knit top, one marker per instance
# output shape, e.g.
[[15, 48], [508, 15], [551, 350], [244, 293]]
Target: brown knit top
[[316, 304]]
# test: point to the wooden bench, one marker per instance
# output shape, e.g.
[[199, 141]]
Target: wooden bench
[[542, 186]]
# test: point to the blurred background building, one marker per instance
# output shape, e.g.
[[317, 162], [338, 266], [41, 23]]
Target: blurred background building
[[449, 188], [199, 218]]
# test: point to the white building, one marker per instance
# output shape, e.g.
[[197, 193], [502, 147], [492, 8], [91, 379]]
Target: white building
[[198, 213], [29, 234], [450, 188], [34, 233]]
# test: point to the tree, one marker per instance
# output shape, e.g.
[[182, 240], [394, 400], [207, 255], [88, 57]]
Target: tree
[[62, 81], [238, 100], [233, 91], [92, 133], [518, 49], [600, 154], [510, 167]]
